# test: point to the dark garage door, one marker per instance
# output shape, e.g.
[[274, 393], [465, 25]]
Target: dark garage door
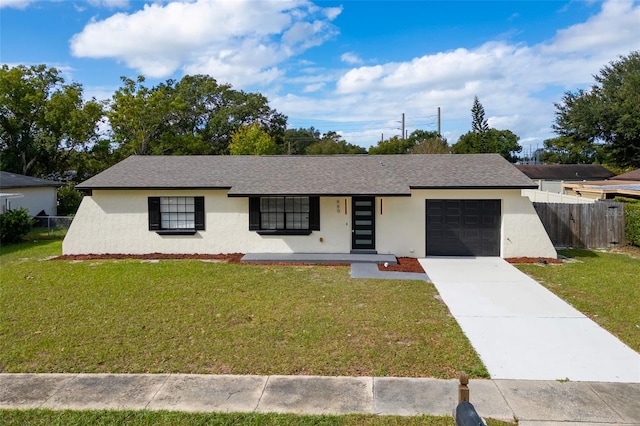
[[463, 227]]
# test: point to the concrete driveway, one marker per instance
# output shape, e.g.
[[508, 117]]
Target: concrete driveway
[[521, 330]]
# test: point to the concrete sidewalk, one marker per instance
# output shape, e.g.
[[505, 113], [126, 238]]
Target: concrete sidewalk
[[529, 402]]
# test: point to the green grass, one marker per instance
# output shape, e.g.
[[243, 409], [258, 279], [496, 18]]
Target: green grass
[[48, 417], [604, 286], [188, 316]]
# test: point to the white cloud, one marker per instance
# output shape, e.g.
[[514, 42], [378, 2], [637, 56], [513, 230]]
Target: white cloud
[[241, 42], [109, 4], [310, 88], [516, 83], [616, 27], [16, 4], [350, 58]]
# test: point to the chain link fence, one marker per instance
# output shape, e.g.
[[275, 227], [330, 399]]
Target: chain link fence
[[53, 223]]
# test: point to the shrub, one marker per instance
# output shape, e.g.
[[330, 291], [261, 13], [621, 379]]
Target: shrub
[[69, 200], [15, 224], [632, 223]]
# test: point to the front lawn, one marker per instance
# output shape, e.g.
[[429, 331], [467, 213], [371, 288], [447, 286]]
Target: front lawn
[[605, 286], [190, 316], [148, 418]]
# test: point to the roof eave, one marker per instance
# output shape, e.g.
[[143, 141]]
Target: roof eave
[[150, 188], [476, 187], [328, 194]]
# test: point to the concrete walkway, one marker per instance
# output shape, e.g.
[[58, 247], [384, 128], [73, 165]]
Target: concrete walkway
[[530, 402], [521, 330]]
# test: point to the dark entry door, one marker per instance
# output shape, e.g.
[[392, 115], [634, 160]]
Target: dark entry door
[[463, 227], [363, 218]]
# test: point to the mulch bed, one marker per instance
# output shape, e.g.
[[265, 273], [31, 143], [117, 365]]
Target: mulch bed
[[230, 257], [405, 264]]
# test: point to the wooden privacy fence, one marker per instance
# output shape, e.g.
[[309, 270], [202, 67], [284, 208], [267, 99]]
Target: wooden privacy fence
[[596, 225]]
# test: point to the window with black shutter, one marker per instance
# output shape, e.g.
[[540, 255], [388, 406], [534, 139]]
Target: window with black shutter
[[284, 215], [176, 215]]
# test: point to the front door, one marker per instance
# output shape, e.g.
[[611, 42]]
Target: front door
[[363, 215]]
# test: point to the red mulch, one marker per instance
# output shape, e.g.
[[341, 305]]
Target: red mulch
[[230, 257], [405, 264]]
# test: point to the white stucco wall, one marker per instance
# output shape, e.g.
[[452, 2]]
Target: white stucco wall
[[401, 223], [117, 222], [34, 199]]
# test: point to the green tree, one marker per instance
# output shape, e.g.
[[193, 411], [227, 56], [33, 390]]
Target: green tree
[[331, 144], [608, 113], [569, 150], [69, 200], [394, 145], [94, 159], [428, 143], [195, 115], [252, 140], [296, 141], [483, 139], [43, 121], [478, 123], [503, 142], [139, 116]]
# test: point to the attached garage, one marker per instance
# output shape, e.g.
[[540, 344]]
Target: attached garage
[[463, 227]]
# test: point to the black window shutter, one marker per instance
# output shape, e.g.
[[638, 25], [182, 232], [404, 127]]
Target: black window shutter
[[154, 213], [314, 213], [254, 213], [199, 216]]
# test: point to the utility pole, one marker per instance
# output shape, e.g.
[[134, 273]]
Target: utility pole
[[439, 133], [403, 125]]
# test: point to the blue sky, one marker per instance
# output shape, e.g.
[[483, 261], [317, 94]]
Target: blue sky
[[348, 66]]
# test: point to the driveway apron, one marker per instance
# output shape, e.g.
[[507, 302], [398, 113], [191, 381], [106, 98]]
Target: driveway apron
[[521, 330]]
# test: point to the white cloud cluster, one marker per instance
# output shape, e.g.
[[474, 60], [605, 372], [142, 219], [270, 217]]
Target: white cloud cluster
[[16, 4], [240, 41], [516, 83], [248, 42]]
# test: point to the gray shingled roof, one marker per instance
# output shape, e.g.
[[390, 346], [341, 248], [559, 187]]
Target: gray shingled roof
[[565, 171], [312, 175], [632, 175], [15, 180]]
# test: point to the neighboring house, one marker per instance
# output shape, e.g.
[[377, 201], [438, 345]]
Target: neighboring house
[[550, 177], [624, 185], [406, 205], [34, 194]]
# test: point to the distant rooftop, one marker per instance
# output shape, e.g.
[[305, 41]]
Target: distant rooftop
[[565, 171], [15, 180], [632, 175]]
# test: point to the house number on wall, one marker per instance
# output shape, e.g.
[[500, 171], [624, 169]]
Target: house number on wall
[[338, 206]]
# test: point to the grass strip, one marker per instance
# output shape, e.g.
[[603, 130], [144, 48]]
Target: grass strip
[[605, 286], [149, 418]]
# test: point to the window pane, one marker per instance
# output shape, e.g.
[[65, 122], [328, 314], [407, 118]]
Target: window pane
[[284, 212], [177, 212]]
